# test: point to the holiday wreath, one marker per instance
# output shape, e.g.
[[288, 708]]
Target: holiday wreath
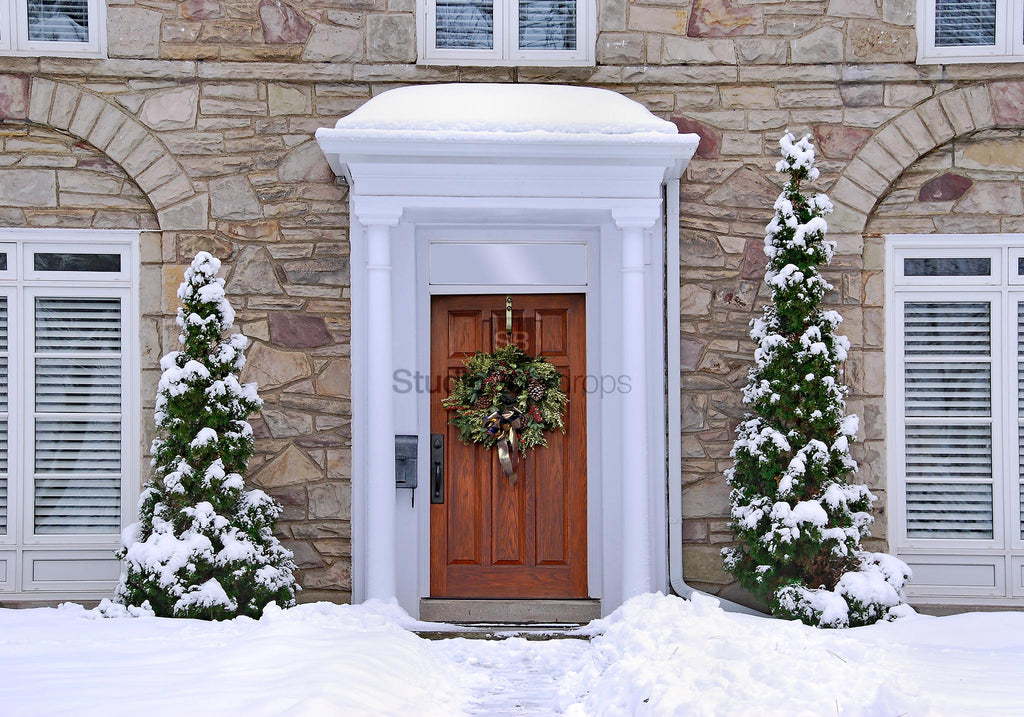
[[507, 399]]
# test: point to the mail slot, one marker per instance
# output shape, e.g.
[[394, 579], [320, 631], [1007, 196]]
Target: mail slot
[[405, 461]]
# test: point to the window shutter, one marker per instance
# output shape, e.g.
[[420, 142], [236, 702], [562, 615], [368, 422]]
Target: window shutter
[[948, 376], [58, 20], [77, 389], [965, 22], [464, 24], [547, 24], [1020, 414]]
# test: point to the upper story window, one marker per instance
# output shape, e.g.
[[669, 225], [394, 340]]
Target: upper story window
[[970, 31], [506, 32], [51, 27]]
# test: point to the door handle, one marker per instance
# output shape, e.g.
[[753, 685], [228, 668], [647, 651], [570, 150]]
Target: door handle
[[437, 468]]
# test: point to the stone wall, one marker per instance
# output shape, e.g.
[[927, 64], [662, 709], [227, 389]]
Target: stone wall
[[198, 129]]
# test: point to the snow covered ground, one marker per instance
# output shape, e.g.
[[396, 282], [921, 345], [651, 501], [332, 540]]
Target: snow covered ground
[[655, 656]]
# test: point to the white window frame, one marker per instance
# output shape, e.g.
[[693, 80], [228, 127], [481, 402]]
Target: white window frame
[[505, 51], [1004, 553], [1009, 41], [14, 33], [21, 549]]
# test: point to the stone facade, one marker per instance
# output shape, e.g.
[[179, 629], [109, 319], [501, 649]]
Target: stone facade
[[198, 130]]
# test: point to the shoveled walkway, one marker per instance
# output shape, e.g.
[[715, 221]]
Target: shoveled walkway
[[517, 676]]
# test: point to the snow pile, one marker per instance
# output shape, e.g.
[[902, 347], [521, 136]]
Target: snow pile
[[492, 111], [312, 660], [660, 655]]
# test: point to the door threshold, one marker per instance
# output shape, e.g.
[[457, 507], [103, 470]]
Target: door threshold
[[516, 612]]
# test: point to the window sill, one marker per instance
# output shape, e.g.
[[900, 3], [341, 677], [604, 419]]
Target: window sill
[[474, 62], [967, 59]]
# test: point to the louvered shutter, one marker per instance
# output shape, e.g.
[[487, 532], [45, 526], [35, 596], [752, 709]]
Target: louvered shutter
[[948, 419], [4, 409], [464, 24], [965, 23], [77, 390], [58, 20], [547, 24]]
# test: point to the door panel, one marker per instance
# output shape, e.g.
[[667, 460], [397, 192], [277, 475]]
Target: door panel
[[491, 538]]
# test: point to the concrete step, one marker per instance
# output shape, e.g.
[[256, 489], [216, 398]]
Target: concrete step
[[503, 631], [512, 612]]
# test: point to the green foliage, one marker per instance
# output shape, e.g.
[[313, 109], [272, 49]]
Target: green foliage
[[507, 378], [797, 519], [204, 546]]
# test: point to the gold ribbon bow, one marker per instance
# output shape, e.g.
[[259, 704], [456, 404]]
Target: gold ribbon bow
[[502, 425]]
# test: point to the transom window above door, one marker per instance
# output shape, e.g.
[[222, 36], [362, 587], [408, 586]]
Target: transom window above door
[[51, 27], [506, 32], [970, 31]]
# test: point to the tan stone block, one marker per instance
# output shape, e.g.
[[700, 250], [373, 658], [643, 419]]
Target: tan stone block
[[333, 44], [190, 214], [171, 192], [286, 99], [150, 290], [336, 379], [824, 45], [28, 187], [89, 108], [704, 564], [107, 125], [126, 139], [330, 500], [935, 119], [876, 156], [689, 50], [40, 100], [852, 195], [897, 145], [65, 100], [915, 132], [172, 109], [980, 104], [292, 467], [995, 155], [957, 111], [171, 278], [163, 171], [861, 172], [270, 367], [748, 97], [695, 300], [668, 20], [142, 155]]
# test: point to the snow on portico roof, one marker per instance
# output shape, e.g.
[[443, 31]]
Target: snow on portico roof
[[505, 113]]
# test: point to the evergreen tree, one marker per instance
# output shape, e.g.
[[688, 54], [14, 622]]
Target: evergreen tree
[[204, 546], [798, 520]]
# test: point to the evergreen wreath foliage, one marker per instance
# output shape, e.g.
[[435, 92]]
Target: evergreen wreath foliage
[[507, 378], [797, 518], [204, 546]]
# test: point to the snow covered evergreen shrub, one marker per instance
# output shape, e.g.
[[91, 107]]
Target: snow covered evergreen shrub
[[204, 546], [798, 519]]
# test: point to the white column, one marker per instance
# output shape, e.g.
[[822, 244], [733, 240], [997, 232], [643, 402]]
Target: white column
[[635, 481], [381, 561]]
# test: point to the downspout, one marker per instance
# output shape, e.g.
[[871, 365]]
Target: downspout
[[674, 378]]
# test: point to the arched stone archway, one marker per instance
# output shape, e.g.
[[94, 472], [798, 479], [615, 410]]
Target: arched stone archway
[[121, 137], [885, 157]]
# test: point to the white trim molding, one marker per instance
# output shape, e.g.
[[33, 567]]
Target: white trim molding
[[73, 558], [954, 368], [595, 201]]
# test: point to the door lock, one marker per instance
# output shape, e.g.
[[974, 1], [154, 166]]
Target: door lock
[[437, 468]]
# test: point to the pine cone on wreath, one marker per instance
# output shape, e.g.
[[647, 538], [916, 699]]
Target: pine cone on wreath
[[482, 402], [535, 390]]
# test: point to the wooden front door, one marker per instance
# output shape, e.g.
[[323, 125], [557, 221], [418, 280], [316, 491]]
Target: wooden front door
[[492, 539]]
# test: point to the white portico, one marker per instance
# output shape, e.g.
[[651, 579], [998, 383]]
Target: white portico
[[509, 189]]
